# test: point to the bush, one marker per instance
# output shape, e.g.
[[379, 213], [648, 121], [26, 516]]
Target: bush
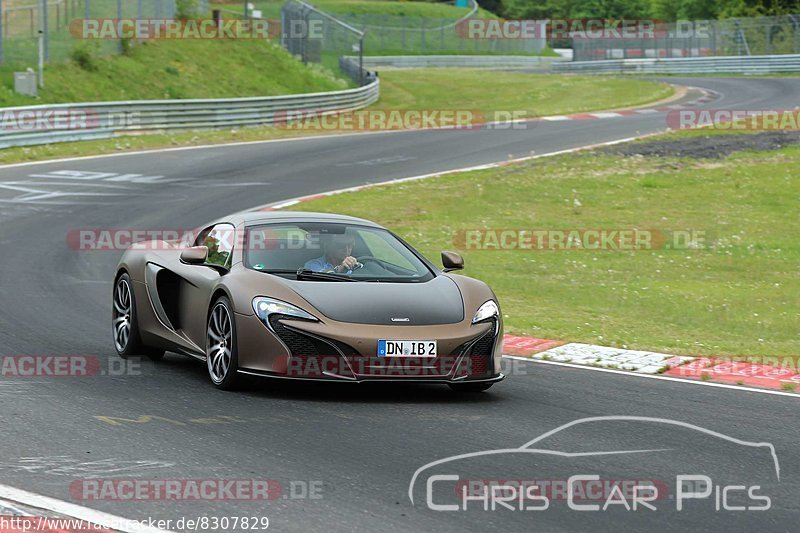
[[83, 57], [126, 45], [186, 9]]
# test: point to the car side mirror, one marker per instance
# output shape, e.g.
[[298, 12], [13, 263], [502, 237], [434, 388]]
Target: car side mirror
[[452, 261], [196, 255]]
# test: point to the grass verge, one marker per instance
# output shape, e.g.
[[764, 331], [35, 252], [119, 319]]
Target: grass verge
[[272, 8], [491, 91], [734, 294], [155, 70]]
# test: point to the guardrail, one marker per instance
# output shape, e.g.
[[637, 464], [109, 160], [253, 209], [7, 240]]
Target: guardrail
[[688, 65], [462, 61], [45, 124]]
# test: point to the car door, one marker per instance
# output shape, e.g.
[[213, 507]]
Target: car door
[[198, 281]]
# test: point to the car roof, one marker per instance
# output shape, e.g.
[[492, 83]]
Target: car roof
[[254, 218]]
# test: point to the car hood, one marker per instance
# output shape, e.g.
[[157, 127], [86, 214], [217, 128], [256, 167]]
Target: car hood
[[437, 301]]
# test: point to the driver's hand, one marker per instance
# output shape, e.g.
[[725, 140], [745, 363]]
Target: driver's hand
[[349, 263]]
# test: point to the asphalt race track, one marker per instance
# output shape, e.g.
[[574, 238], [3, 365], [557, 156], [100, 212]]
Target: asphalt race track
[[361, 444]]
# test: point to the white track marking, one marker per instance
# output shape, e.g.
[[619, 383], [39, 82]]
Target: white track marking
[[623, 359], [609, 114], [656, 376], [73, 511]]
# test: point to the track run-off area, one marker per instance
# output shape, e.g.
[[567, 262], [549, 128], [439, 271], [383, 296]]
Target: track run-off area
[[345, 456]]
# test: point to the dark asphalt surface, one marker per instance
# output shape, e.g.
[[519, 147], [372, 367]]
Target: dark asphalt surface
[[362, 444]]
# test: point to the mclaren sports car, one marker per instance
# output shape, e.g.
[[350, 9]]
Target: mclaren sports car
[[307, 296]]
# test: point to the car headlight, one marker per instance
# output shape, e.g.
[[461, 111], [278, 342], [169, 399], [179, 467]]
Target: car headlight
[[264, 307], [487, 311]]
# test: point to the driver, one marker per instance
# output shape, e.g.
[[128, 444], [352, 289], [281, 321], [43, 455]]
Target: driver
[[337, 256]]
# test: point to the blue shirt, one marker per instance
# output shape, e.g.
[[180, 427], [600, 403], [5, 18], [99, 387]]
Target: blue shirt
[[320, 264]]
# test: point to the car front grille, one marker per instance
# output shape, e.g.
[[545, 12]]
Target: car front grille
[[316, 357], [310, 356], [478, 360]]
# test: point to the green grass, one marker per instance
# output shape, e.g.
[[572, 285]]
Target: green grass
[[490, 91], [737, 295], [272, 8], [179, 69], [396, 28]]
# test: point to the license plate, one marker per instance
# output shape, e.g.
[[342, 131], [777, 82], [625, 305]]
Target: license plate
[[406, 348]]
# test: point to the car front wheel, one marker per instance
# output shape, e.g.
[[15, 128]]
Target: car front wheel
[[221, 352], [125, 325]]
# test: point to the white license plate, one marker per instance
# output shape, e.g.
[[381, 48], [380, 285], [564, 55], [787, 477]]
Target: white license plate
[[387, 348]]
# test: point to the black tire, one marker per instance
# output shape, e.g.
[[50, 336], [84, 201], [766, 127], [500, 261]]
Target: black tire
[[125, 325], [221, 345], [470, 387]]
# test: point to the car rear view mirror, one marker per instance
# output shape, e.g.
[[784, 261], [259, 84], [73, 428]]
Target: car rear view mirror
[[196, 255], [452, 261]]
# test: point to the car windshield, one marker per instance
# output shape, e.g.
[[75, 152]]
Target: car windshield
[[327, 251]]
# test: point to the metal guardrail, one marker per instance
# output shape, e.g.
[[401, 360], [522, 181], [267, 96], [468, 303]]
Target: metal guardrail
[[463, 61], [688, 65], [45, 124]]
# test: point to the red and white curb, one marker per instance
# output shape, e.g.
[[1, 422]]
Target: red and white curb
[[741, 373], [707, 96], [588, 354]]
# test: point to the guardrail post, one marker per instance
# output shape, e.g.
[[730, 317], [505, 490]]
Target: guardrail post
[[361, 60]]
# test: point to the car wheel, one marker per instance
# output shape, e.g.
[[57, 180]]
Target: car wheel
[[222, 356], [470, 387], [125, 326]]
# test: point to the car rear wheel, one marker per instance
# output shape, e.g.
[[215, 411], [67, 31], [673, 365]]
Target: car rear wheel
[[222, 356], [125, 326], [470, 387]]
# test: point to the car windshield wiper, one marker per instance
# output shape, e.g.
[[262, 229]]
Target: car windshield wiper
[[305, 273]]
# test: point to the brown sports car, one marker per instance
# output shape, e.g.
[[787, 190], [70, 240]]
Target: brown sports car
[[307, 296]]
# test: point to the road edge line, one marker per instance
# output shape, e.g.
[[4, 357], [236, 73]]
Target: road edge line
[[74, 511]]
